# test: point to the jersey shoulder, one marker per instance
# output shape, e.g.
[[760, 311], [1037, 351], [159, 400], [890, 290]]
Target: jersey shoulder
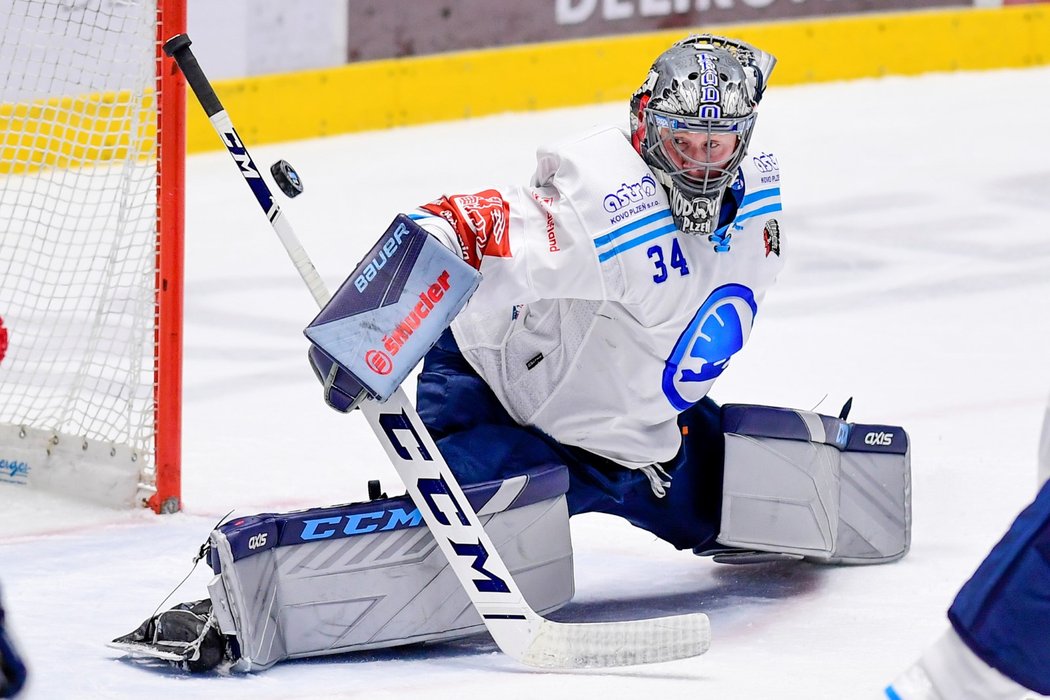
[[604, 144], [760, 208], [760, 170], [760, 182]]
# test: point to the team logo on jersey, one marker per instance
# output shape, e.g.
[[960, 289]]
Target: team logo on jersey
[[771, 236], [716, 333]]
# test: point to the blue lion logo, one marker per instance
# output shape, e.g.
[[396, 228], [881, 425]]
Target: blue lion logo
[[716, 333]]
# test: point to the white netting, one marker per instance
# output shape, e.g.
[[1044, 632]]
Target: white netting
[[78, 219]]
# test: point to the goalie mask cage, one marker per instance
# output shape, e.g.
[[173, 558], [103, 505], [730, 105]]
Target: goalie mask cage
[[91, 216]]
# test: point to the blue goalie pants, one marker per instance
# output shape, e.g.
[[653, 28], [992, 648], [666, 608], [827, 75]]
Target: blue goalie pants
[[481, 442], [1003, 612]]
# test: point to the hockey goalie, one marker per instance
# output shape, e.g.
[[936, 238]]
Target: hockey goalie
[[570, 331]]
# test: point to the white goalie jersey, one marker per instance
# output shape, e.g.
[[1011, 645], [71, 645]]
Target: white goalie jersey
[[597, 320]]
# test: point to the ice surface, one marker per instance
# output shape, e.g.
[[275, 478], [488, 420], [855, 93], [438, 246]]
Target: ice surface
[[917, 281]]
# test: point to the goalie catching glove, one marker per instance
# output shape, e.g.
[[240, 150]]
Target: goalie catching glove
[[387, 314]]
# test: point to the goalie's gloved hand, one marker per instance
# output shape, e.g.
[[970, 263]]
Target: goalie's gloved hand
[[12, 668], [341, 391]]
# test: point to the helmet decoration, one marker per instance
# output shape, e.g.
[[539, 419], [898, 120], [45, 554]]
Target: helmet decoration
[[692, 119]]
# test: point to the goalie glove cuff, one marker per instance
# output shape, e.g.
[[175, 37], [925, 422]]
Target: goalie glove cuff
[[341, 391]]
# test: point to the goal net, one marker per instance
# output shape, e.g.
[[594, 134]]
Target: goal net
[[90, 253]]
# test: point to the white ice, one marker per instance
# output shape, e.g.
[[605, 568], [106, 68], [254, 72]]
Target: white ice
[[917, 230]]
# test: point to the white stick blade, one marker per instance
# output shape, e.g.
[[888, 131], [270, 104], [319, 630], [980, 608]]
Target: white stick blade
[[608, 644]]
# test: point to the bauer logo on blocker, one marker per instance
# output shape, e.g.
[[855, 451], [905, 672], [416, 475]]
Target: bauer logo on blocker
[[376, 264]]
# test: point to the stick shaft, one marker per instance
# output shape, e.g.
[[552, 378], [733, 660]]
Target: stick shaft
[[178, 47]]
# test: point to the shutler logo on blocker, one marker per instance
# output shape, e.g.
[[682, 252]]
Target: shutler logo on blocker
[[378, 360], [393, 307]]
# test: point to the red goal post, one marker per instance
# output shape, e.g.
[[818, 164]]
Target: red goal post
[[171, 188], [92, 153]]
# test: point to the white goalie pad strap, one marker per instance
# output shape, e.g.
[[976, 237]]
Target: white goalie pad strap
[[798, 482], [393, 307], [370, 575]]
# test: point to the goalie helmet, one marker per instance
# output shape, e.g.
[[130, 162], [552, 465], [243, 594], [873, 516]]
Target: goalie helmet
[[692, 118]]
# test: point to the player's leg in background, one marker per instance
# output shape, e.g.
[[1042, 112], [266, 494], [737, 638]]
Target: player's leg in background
[[12, 668], [1003, 611], [998, 641]]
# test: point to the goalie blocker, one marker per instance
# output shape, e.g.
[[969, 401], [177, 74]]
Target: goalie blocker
[[387, 314]]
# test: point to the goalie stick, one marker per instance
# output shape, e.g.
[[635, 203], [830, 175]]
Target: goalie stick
[[517, 629]]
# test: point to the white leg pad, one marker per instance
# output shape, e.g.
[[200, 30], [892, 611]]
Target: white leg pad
[[370, 575], [800, 483]]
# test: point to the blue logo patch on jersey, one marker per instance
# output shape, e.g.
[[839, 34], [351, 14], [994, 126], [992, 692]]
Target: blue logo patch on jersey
[[716, 333]]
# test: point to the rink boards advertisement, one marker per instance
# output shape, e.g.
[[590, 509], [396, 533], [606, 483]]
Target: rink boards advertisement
[[437, 72], [356, 65], [381, 29]]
